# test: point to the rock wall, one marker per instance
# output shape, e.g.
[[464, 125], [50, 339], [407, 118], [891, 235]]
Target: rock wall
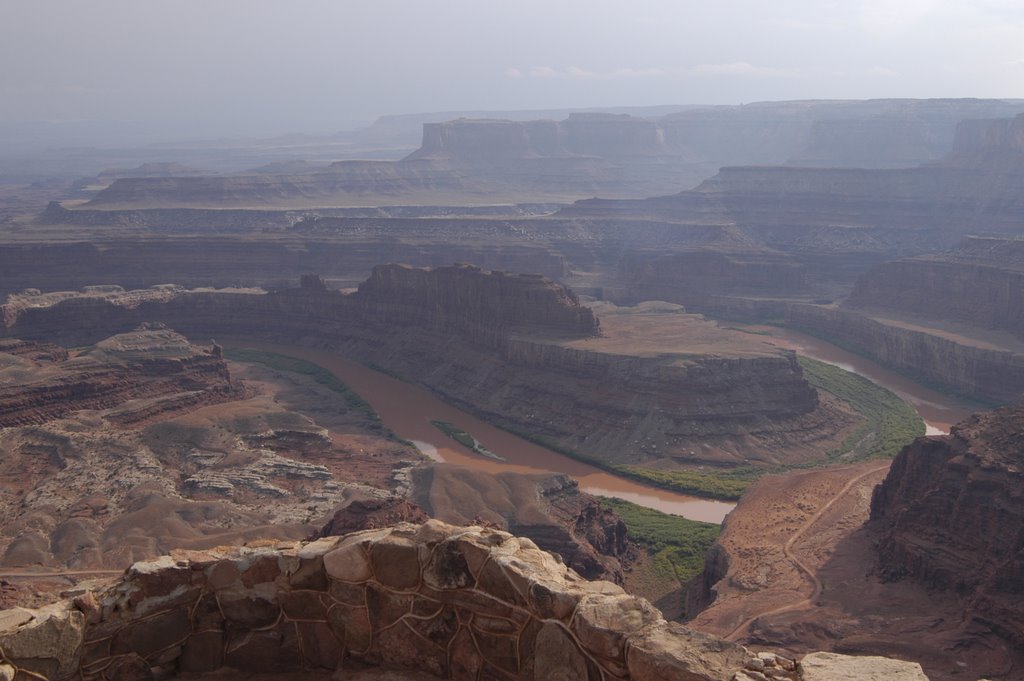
[[980, 284], [867, 143], [470, 300], [345, 252], [980, 139], [984, 374], [488, 350], [448, 602], [603, 135], [147, 363], [686, 276], [950, 515]]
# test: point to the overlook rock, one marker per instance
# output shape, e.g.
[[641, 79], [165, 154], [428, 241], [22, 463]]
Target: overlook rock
[[950, 515], [460, 603]]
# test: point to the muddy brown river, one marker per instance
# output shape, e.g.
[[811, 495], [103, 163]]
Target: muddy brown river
[[939, 411], [408, 411]]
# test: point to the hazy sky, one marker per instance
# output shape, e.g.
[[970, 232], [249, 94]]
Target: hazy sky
[[245, 66]]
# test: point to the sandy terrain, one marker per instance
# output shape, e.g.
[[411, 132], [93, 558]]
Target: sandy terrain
[[801, 578], [659, 329]]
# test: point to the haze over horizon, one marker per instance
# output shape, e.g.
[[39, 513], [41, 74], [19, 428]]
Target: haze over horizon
[[195, 69]]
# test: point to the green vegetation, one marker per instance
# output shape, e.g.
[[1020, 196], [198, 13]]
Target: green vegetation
[[465, 439], [726, 485], [890, 423], [717, 484], [918, 377], [678, 545]]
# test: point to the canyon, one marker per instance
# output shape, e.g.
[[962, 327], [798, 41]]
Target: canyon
[[918, 559], [487, 160], [168, 392], [779, 243], [426, 601], [518, 350]]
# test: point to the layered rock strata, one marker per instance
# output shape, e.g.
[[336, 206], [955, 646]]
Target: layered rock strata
[[434, 599], [144, 443], [980, 284], [950, 515], [590, 154], [979, 370], [492, 343], [147, 363]]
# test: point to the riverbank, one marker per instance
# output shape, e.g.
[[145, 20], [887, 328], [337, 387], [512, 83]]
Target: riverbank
[[409, 411]]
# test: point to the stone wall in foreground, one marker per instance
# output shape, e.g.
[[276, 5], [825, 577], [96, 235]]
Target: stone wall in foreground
[[456, 602], [453, 602]]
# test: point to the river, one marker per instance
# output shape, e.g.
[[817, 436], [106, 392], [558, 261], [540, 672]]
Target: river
[[409, 409], [938, 410]]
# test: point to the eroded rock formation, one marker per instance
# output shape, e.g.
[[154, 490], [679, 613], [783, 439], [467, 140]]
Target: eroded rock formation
[[144, 443], [548, 509], [977, 369], [434, 599], [950, 515], [589, 154], [513, 348], [158, 370], [980, 284]]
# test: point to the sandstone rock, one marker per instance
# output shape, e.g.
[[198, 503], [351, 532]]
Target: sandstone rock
[[950, 514], [485, 628], [674, 653], [371, 514], [348, 564], [834, 667], [49, 643], [6, 672], [556, 657], [395, 562], [603, 623], [128, 366]]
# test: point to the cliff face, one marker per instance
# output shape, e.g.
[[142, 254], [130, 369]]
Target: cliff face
[[691, 274], [980, 372], [345, 251], [591, 154], [980, 141], [548, 509], [867, 143], [950, 515], [602, 135], [489, 343], [133, 366], [468, 299], [432, 600], [980, 284]]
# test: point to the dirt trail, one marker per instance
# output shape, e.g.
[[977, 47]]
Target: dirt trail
[[787, 550]]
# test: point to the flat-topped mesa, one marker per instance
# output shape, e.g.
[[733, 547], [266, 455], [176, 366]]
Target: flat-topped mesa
[[950, 515], [516, 349], [583, 134], [470, 299], [429, 601], [883, 142]]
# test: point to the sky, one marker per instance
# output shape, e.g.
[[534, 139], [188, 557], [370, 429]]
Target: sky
[[239, 67]]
